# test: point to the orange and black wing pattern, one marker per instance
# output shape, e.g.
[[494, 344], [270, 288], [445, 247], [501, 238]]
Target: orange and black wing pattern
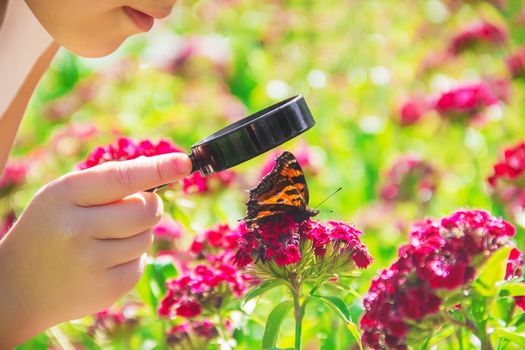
[[282, 191]]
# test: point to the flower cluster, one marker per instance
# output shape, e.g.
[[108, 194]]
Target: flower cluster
[[465, 102], [442, 256], [409, 178], [477, 34], [206, 287], [194, 333], [287, 242], [507, 180], [126, 149], [516, 63]]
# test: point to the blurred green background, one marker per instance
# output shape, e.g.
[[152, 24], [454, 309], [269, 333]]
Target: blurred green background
[[355, 62]]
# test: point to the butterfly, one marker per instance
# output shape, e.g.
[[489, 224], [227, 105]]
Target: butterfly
[[282, 191]]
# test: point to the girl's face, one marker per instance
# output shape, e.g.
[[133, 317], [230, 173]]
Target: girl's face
[[95, 28]]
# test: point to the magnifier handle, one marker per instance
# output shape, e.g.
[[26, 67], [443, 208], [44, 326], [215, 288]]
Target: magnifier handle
[[194, 168]]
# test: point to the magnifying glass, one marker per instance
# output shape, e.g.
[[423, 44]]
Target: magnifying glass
[[251, 136]]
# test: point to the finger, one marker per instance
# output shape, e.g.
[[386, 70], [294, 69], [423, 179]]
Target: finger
[[112, 181], [135, 213], [114, 252], [126, 275]]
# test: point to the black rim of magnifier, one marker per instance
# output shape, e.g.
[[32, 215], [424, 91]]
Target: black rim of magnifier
[[251, 136]]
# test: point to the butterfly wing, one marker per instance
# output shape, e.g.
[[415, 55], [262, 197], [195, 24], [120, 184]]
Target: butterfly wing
[[283, 190]]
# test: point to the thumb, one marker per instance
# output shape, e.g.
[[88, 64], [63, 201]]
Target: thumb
[[112, 181]]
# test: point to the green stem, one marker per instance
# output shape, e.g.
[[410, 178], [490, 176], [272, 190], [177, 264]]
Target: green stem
[[298, 314]]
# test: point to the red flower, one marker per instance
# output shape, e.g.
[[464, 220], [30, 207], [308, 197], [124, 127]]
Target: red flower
[[188, 308], [476, 34]]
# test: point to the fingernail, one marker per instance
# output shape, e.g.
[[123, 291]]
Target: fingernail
[[182, 164]]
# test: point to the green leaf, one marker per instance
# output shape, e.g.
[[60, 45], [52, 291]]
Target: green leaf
[[340, 308], [443, 333], [337, 305], [513, 289], [151, 286], [273, 324], [492, 272], [509, 335], [261, 289], [352, 327]]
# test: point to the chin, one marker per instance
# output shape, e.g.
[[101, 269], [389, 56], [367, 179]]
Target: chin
[[95, 49]]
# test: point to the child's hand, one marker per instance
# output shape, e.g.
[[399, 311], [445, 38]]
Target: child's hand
[[80, 244]]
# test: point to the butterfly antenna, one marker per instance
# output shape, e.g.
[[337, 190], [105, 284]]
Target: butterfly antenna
[[327, 198]]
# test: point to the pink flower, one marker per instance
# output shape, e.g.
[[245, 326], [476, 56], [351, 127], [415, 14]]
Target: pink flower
[[409, 178], [477, 34], [204, 287], [465, 102], [441, 255], [285, 242]]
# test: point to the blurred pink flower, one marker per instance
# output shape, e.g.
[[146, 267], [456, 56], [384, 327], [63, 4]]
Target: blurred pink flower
[[409, 178], [194, 333], [167, 229], [516, 63], [6, 223], [14, 174], [412, 110], [465, 103], [116, 320], [304, 155], [476, 34]]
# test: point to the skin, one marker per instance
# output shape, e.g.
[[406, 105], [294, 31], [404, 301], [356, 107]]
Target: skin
[[80, 244]]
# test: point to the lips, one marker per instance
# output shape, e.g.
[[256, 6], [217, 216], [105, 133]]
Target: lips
[[142, 20]]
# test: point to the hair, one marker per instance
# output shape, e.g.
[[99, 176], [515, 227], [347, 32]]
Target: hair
[[3, 10]]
